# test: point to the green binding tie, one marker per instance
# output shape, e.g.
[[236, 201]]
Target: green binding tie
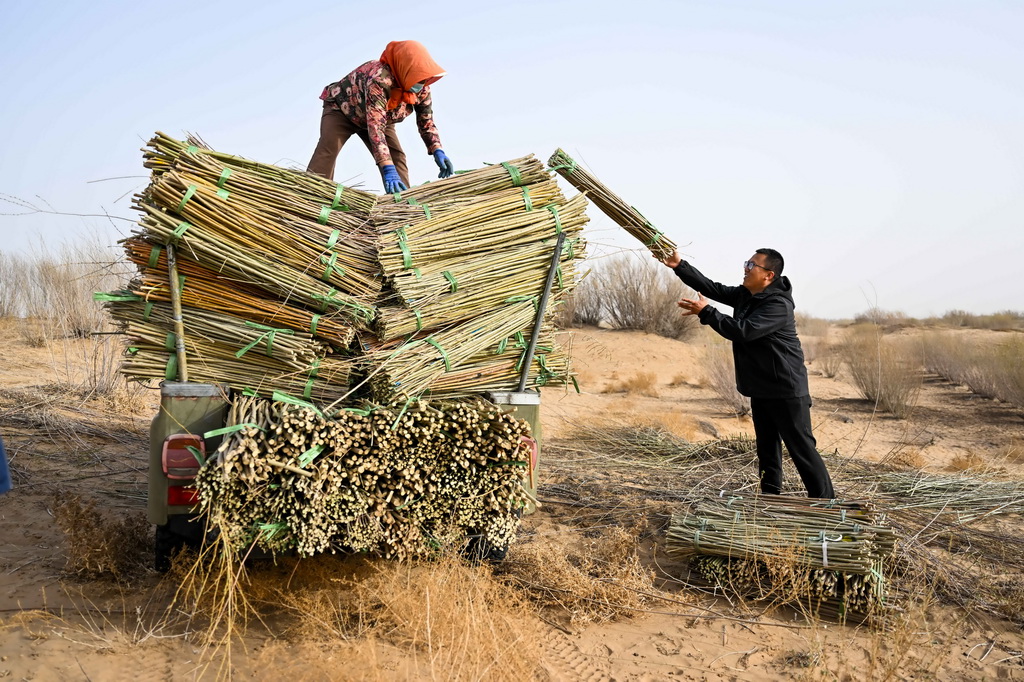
[[171, 372], [307, 457], [336, 204], [279, 397], [419, 319], [191, 149], [526, 199], [403, 244], [268, 334], [232, 429], [451, 280], [180, 231], [313, 323], [188, 195], [154, 256], [147, 310], [169, 341], [333, 239], [331, 267], [558, 219], [325, 213], [444, 355], [517, 178]]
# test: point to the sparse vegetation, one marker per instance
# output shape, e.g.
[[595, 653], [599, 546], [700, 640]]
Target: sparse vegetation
[[884, 370], [631, 292], [991, 370], [721, 376]]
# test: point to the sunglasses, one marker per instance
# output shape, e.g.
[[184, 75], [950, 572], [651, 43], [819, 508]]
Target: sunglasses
[[749, 265]]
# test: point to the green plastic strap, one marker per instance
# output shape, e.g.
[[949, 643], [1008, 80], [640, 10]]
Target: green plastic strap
[[404, 246], [147, 310], [569, 248], [520, 339], [517, 178], [307, 390], [115, 298], [576, 384], [526, 199], [394, 424], [325, 213], [131, 350], [331, 267], [418, 273], [419, 319], [169, 341], [198, 455], [313, 323], [444, 355], [154, 256], [426, 211], [336, 204], [523, 299], [180, 230], [502, 345], [356, 410], [268, 334], [558, 219], [558, 276], [656, 238], [231, 429], [279, 397], [223, 193], [181, 282], [451, 280], [314, 368], [171, 372], [333, 239], [188, 195], [307, 457], [223, 177], [192, 149], [251, 392]]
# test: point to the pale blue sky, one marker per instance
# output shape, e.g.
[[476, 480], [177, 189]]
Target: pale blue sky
[[877, 144]]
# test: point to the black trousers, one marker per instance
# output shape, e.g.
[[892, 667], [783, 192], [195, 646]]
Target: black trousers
[[788, 420]]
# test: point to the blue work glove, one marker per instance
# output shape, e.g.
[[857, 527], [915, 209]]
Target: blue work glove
[[392, 183], [444, 163]]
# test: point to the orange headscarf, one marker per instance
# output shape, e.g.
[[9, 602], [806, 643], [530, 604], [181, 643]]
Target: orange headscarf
[[410, 63]]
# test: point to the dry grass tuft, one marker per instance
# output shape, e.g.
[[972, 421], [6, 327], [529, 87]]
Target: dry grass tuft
[[601, 581], [100, 547], [968, 461], [906, 458], [641, 383]]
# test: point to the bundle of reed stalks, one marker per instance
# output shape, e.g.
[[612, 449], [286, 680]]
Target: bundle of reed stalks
[[207, 290], [397, 480], [248, 357], [412, 367], [162, 151], [789, 540], [525, 170], [621, 213]]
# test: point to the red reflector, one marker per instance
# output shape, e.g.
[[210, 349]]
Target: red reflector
[[182, 496], [183, 454]]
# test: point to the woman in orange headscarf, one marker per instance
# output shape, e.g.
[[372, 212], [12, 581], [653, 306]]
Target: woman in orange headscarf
[[369, 102]]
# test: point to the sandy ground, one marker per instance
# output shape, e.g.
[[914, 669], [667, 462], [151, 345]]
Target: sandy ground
[[55, 627]]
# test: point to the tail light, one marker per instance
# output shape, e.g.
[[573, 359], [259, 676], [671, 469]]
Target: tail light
[[182, 496], [182, 456]]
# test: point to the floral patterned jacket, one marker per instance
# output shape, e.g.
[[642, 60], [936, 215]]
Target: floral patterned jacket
[[362, 96]]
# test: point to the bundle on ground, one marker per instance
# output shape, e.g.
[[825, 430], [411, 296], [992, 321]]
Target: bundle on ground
[[399, 480], [828, 554], [621, 213]]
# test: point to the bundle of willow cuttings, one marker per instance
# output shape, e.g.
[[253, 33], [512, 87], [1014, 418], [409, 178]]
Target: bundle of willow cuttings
[[162, 151], [773, 542], [621, 213], [223, 349], [207, 290], [526, 170], [398, 480]]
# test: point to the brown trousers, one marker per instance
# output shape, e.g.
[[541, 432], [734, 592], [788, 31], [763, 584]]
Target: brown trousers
[[335, 129]]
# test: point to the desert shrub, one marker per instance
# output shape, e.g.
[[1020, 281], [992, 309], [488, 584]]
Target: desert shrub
[[831, 360], [889, 319], [101, 547], [12, 275], [641, 383], [630, 292], [991, 370], [885, 371], [808, 325], [722, 376]]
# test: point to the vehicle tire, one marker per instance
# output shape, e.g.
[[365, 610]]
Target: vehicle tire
[[166, 546]]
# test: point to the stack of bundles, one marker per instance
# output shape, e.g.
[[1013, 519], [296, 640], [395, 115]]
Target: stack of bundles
[[466, 263], [828, 554], [621, 213], [397, 481], [276, 271], [223, 349]]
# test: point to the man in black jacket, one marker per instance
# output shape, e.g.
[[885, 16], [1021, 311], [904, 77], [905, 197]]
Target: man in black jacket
[[769, 363]]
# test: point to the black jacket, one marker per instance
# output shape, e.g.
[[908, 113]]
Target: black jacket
[[765, 347]]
